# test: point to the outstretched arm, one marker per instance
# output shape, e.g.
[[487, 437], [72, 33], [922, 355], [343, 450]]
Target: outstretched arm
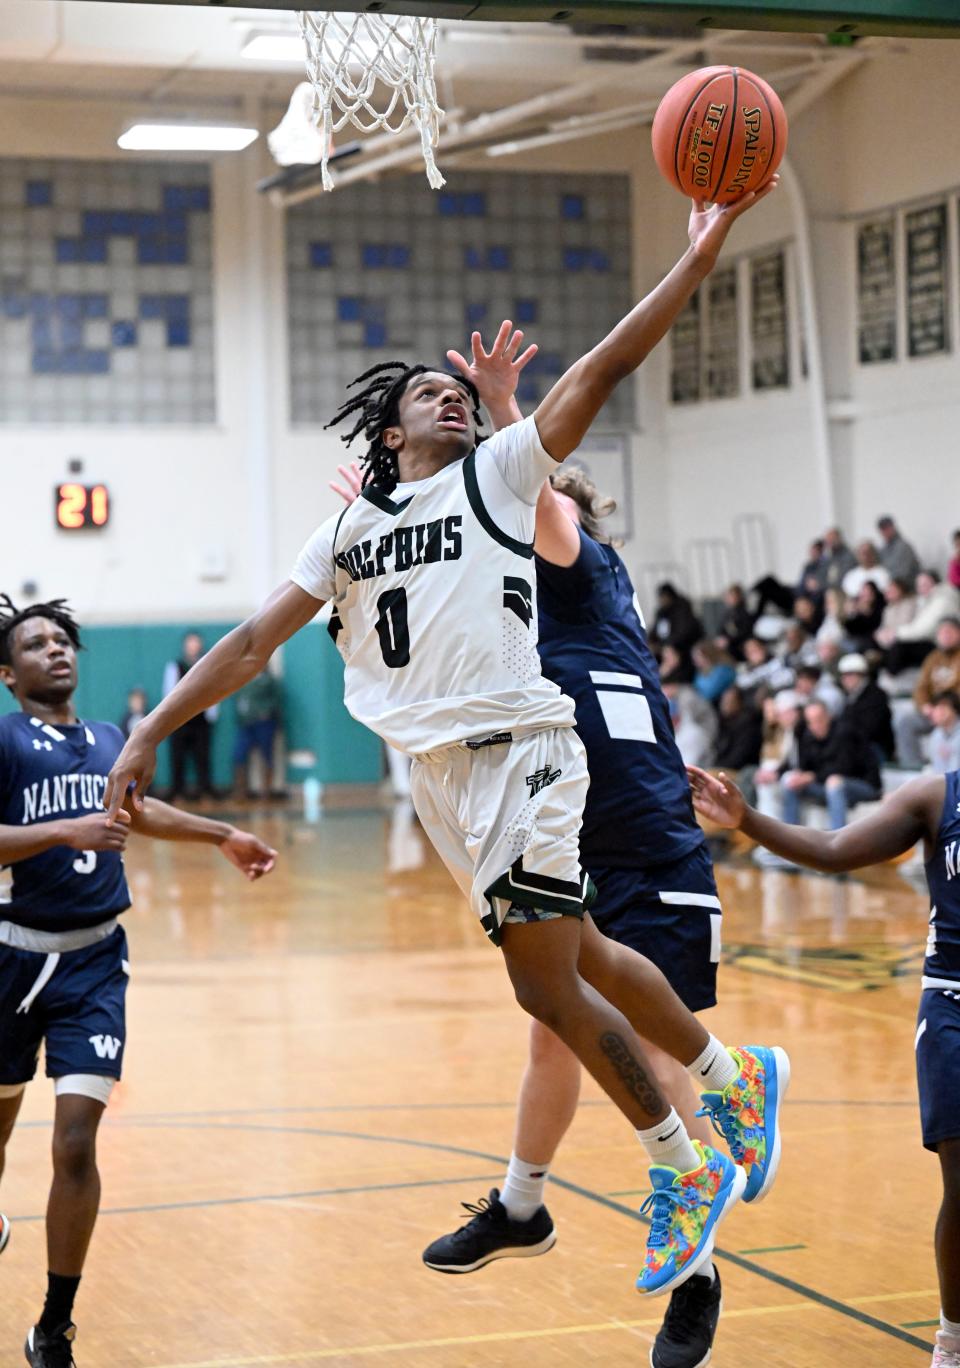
[[236, 659], [909, 815], [165, 823], [566, 413]]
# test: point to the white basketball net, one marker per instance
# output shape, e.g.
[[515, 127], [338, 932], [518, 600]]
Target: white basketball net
[[349, 55]]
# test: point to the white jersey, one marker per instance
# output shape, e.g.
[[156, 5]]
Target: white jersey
[[434, 597]]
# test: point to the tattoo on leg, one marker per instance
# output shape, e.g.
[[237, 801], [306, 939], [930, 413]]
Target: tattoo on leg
[[632, 1072]]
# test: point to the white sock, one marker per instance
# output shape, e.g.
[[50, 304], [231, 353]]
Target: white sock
[[523, 1188], [713, 1068], [950, 1330], [707, 1270], [668, 1143]]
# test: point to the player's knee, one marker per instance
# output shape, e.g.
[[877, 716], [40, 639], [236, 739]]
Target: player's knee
[[835, 781], [75, 1151]]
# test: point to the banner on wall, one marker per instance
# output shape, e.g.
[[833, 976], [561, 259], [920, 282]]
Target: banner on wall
[[877, 291], [927, 301], [768, 321]]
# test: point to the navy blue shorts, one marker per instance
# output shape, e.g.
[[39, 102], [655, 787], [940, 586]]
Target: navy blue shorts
[[78, 1014], [670, 913], [938, 1065]]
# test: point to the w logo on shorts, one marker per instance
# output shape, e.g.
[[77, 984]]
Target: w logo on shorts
[[542, 778], [106, 1046]]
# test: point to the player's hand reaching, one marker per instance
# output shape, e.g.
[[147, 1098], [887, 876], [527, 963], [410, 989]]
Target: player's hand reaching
[[248, 853], [94, 833], [352, 477], [716, 797], [135, 765], [710, 223], [495, 372]]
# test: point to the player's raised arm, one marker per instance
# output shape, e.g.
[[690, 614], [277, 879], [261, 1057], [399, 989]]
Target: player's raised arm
[[566, 413], [909, 815], [236, 659], [496, 372]]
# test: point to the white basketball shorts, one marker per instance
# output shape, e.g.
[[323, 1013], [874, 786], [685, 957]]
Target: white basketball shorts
[[505, 816]]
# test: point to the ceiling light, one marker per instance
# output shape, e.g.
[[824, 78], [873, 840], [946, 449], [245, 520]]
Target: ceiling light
[[275, 47], [183, 137]]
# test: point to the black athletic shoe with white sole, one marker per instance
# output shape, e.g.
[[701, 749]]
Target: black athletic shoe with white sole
[[51, 1351], [685, 1339], [490, 1234], [4, 1232]]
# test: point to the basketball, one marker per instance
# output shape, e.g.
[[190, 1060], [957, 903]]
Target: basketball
[[719, 133]]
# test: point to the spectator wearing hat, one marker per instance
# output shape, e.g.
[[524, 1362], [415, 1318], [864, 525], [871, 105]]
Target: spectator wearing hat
[[868, 707], [943, 744], [914, 641], [897, 556], [868, 567], [940, 674], [835, 767]]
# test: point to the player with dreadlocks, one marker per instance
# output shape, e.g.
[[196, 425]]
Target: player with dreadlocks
[[430, 573], [63, 953]]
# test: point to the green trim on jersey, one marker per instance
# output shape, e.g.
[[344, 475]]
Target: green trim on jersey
[[519, 548], [383, 501]]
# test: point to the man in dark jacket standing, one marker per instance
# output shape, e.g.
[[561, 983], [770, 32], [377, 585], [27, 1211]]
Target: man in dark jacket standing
[[867, 708], [676, 624], [835, 766]]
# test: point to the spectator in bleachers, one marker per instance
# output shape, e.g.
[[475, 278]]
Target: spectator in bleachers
[[899, 611], [676, 624], [828, 656], [916, 639], [863, 618], [715, 671], [782, 722], [676, 667], [943, 743], [835, 767], [808, 612], [812, 581], [737, 622], [953, 572], [839, 557], [939, 674], [761, 669], [896, 554], [868, 567], [868, 707], [694, 724], [797, 648], [813, 683], [136, 709], [835, 610], [740, 733]]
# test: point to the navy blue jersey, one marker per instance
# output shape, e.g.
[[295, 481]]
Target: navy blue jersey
[[49, 773], [943, 879], [593, 643]]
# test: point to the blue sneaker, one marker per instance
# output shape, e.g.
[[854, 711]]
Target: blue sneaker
[[685, 1209], [747, 1113]]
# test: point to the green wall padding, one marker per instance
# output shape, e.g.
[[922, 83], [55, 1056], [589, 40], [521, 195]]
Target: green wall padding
[[117, 659]]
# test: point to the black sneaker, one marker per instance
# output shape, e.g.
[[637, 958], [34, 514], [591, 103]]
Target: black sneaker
[[685, 1339], [490, 1234], [51, 1351], [4, 1232]]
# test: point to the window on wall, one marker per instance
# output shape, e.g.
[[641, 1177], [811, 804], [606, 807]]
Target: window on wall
[[769, 344], [550, 252], [106, 305], [906, 301]]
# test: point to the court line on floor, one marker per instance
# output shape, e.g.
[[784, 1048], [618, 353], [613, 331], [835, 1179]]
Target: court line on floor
[[768, 1275], [348, 1351], [274, 1197]]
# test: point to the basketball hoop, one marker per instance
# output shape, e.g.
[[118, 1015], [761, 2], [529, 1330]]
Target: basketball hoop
[[349, 55]]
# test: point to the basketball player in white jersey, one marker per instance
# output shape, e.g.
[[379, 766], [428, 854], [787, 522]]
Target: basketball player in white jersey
[[431, 580]]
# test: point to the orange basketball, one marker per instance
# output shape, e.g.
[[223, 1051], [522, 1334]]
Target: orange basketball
[[719, 133]]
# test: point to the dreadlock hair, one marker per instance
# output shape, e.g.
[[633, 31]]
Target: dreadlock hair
[[11, 617], [578, 486], [377, 407]]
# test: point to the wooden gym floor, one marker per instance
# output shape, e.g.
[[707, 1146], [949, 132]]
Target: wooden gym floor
[[322, 1066]]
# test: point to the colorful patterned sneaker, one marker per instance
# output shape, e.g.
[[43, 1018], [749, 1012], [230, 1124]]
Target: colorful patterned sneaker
[[747, 1113], [685, 1339], [4, 1232], [490, 1234], [685, 1210]]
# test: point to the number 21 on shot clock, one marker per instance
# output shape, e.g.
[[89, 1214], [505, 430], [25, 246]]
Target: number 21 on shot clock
[[77, 506]]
